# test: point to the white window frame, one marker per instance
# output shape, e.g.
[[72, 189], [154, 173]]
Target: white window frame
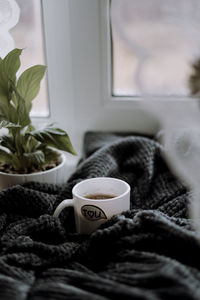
[[77, 38]]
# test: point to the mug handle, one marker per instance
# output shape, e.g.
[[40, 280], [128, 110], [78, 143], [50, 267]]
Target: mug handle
[[62, 205]]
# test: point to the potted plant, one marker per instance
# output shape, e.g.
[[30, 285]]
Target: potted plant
[[27, 153]]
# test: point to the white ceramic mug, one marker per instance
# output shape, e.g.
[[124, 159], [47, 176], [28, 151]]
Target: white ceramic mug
[[91, 213]]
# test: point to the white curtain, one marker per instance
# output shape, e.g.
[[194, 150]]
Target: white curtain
[[9, 17]]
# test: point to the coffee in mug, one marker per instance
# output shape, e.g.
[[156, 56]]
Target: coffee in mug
[[100, 196], [95, 201]]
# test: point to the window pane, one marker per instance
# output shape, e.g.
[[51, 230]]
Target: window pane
[[154, 44], [28, 34]]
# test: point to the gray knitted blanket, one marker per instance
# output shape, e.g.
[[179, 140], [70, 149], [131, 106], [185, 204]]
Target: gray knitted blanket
[[149, 252]]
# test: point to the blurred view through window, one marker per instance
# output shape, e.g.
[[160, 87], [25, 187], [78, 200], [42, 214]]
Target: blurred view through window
[[28, 35], [154, 44]]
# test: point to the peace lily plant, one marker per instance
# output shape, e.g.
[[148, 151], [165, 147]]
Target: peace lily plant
[[23, 148]]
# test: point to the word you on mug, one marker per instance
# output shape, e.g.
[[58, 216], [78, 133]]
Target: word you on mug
[[93, 213]]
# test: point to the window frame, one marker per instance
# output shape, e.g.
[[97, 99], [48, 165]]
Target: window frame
[[78, 55], [59, 71], [109, 98]]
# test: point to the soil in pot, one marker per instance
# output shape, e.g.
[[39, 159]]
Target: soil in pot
[[7, 168]]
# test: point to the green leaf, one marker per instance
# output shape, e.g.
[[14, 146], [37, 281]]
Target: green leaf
[[5, 157], [34, 158], [11, 63], [17, 164], [23, 115], [7, 124], [13, 117], [8, 69], [14, 97], [21, 110], [29, 128], [7, 141], [50, 154], [28, 84], [4, 110], [30, 144], [54, 137]]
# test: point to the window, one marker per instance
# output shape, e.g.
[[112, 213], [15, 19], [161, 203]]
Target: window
[[154, 44], [78, 56], [24, 21]]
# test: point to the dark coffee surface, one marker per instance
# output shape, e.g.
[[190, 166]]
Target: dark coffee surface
[[100, 196]]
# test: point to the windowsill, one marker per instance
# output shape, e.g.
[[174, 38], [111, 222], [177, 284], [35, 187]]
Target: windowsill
[[71, 163]]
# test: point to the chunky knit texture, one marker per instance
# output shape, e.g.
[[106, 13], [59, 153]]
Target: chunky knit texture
[[150, 252]]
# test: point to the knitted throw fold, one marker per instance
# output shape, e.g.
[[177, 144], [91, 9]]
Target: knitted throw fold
[[150, 252]]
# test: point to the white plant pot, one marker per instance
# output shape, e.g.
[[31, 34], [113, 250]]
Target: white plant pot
[[57, 175]]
